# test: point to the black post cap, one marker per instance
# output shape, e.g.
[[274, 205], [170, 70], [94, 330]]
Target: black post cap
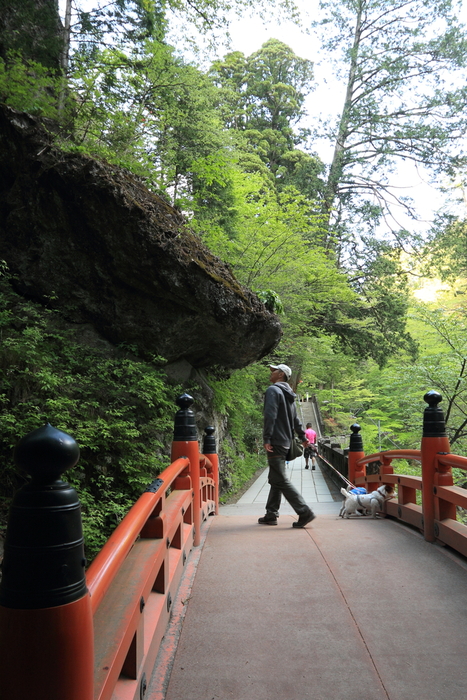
[[46, 453], [44, 562], [355, 442], [433, 416], [184, 424], [209, 443]]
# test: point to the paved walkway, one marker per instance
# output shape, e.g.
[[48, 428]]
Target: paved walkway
[[359, 609], [311, 484]]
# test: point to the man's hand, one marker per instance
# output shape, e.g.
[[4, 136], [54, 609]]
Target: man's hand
[[268, 447]]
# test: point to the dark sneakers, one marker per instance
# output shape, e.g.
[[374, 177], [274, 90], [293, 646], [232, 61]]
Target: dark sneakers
[[304, 519]]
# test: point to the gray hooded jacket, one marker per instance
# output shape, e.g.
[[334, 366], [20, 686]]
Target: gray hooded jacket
[[279, 413]]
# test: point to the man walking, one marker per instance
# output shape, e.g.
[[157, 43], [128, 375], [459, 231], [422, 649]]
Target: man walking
[[280, 420]]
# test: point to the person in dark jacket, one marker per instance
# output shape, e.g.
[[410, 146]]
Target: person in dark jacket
[[280, 420]]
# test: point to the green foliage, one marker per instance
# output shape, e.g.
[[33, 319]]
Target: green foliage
[[262, 96], [444, 365], [266, 90], [119, 409], [28, 86], [31, 28], [277, 83], [388, 402], [447, 251], [226, 149], [276, 238], [239, 398], [402, 103], [376, 325], [132, 21], [150, 112], [271, 300], [123, 22], [277, 232]]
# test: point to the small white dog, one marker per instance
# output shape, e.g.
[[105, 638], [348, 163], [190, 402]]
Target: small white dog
[[368, 502]]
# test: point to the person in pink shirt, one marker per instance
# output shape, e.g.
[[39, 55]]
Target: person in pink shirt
[[310, 449]]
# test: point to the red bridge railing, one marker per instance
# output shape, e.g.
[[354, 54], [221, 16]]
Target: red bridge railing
[[95, 636], [436, 515]]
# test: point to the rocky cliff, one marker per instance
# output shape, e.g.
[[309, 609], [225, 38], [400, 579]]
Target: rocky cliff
[[90, 240]]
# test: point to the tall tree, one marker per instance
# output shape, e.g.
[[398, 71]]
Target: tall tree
[[149, 111], [263, 96], [376, 326], [446, 253], [405, 100]]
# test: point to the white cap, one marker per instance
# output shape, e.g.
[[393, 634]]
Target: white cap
[[283, 368]]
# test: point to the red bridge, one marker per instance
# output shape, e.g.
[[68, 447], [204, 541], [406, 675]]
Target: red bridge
[[180, 604]]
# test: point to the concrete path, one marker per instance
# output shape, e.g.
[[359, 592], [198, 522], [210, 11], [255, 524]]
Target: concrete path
[[359, 609], [311, 484]]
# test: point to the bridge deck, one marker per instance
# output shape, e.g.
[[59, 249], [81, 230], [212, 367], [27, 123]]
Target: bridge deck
[[349, 609]]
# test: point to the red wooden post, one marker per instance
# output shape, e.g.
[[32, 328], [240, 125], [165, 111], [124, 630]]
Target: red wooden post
[[434, 440], [443, 509], [209, 448], [355, 453], [185, 444], [46, 631], [386, 465]]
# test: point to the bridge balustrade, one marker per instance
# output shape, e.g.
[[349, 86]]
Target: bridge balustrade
[[98, 637], [436, 515], [95, 635]]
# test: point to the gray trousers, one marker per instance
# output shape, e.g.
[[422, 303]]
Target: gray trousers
[[281, 485]]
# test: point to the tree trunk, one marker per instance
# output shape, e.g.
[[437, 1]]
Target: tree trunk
[[32, 27], [336, 169]]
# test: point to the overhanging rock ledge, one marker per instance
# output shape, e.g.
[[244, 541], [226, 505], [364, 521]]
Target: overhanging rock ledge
[[90, 240]]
